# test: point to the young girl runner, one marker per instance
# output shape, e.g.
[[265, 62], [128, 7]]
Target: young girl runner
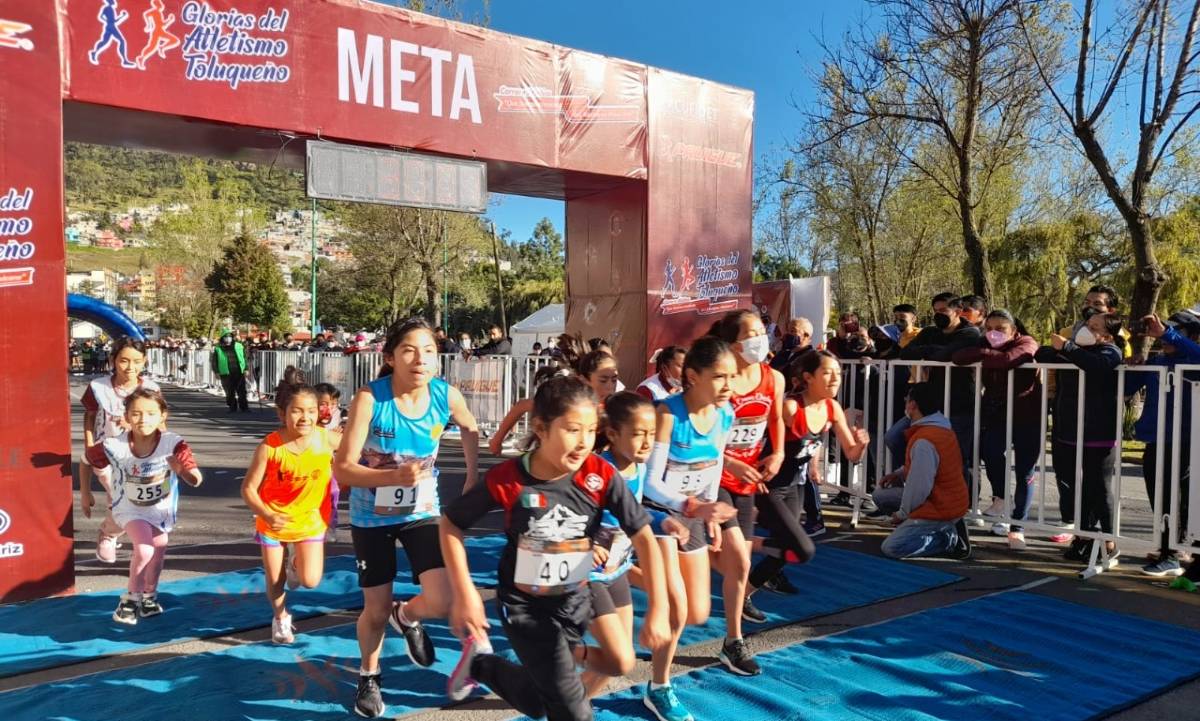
[[599, 370], [104, 417], [521, 408], [146, 464], [683, 477], [329, 416], [809, 413], [553, 498], [668, 374], [757, 404], [630, 430], [287, 487], [387, 459]]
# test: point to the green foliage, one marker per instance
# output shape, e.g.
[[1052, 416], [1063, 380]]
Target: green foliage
[[537, 276], [768, 266], [247, 284]]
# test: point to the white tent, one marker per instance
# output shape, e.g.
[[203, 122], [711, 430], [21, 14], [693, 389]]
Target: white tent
[[544, 327]]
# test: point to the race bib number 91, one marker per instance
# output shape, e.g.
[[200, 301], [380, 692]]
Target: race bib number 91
[[547, 568], [421, 497]]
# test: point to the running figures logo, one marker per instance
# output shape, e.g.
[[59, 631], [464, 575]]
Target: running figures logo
[[8, 549], [10, 32], [559, 524]]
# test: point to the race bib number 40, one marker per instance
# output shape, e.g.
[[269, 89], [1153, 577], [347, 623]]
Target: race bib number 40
[[689, 479], [147, 491], [747, 433], [546, 568]]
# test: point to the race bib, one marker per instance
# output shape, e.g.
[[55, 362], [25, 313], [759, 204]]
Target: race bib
[[421, 497], [147, 490], [689, 479], [547, 568], [747, 433], [619, 553]]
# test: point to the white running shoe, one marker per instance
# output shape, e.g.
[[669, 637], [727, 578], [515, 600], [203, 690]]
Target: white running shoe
[[996, 509], [282, 630], [1016, 540], [1000, 529]]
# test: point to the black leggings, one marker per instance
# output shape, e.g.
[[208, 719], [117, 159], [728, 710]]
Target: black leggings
[[778, 513], [542, 632]]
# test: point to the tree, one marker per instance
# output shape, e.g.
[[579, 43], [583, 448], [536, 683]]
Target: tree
[[536, 279], [248, 285], [1155, 43], [959, 73]]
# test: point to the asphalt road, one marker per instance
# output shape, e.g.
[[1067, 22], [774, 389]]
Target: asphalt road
[[215, 528]]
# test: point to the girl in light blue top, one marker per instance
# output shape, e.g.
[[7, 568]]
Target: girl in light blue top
[[387, 460]]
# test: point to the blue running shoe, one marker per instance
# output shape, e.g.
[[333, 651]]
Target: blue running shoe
[[665, 704]]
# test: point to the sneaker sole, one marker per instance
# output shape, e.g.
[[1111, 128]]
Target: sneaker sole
[[734, 669], [469, 686], [650, 705], [395, 623], [101, 559], [749, 619], [1162, 574], [128, 622]]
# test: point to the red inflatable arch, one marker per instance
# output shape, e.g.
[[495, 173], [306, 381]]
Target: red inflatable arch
[[655, 169]]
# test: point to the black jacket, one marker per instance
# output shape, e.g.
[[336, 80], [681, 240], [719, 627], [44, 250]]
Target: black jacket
[[1099, 363], [931, 344]]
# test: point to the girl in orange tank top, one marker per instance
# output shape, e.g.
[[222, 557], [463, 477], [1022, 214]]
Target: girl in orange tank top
[[288, 486]]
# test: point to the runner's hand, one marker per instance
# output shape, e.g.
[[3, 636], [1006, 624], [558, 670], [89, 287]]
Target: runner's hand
[[676, 530], [861, 437], [769, 466], [496, 445], [86, 501], [716, 511], [656, 632], [277, 521], [407, 474], [890, 479], [744, 472], [714, 532], [175, 465], [599, 555], [467, 619]]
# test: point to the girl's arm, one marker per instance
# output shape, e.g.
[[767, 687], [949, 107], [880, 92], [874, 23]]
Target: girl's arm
[[854, 441], [467, 617], [656, 631], [470, 435], [519, 409], [346, 467], [184, 465], [770, 465], [250, 485]]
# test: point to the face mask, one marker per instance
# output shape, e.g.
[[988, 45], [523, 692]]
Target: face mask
[[465, 343], [755, 350], [996, 338], [674, 383], [902, 325], [1085, 337], [330, 344], [226, 341], [1087, 313], [941, 320]]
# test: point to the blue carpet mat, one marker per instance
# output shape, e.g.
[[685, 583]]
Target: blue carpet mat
[[1011, 657], [57, 631]]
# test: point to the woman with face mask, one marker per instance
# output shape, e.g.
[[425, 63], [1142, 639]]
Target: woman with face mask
[[1096, 350], [757, 404], [668, 375], [1006, 346]]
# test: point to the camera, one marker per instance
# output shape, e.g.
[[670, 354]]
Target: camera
[[1138, 327]]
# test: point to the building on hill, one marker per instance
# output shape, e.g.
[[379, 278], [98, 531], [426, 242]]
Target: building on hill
[[110, 240], [166, 276], [101, 284]]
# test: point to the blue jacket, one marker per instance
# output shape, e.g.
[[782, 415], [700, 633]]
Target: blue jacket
[[1187, 352]]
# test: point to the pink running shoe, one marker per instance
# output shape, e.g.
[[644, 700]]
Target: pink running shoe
[[460, 684]]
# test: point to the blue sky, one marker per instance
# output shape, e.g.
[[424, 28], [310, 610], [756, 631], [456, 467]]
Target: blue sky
[[771, 48]]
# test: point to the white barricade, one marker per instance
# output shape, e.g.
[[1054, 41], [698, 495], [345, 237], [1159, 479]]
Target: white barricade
[[486, 385]]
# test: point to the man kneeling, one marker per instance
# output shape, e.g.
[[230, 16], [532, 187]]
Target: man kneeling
[[930, 488]]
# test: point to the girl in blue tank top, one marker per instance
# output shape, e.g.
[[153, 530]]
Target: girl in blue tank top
[[387, 459], [629, 430]]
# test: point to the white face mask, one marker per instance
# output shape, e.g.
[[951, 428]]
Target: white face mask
[[1085, 337], [755, 350]]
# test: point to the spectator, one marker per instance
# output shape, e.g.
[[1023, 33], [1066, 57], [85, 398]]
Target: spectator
[[536, 350], [289, 343], [229, 362], [974, 309], [1096, 351], [949, 334], [102, 358], [1099, 299], [929, 491], [1179, 345], [464, 343], [359, 345], [904, 318], [497, 343], [797, 340], [668, 374], [851, 340], [445, 345], [1005, 347]]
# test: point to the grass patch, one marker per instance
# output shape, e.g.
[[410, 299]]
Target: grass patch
[[125, 262]]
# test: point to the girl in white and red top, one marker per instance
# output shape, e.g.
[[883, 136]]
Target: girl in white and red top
[[668, 374], [104, 417], [146, 462], [757, 404]]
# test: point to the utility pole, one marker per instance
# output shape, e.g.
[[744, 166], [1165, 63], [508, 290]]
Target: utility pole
[[445, 283], [499, 281], [313, 279]]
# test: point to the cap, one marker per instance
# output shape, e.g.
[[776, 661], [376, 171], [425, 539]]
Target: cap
[[1185, 320]]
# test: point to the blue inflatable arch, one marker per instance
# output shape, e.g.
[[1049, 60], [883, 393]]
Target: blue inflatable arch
[[108, 318]]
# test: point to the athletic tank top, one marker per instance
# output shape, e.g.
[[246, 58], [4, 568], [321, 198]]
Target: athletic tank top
[[695, 461], [108, 402], [610, 535], [803, 442], [394, 438], [297, 484], [655, 388], [143, 487], [752, 413]]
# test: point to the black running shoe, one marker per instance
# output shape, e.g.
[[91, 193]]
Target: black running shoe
[[420, 646], [781, 584], [1080, 550], [751, 613], [368, 702], [737, 658], [841, 499], [149, 607], [127, 612], [962, 544]]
